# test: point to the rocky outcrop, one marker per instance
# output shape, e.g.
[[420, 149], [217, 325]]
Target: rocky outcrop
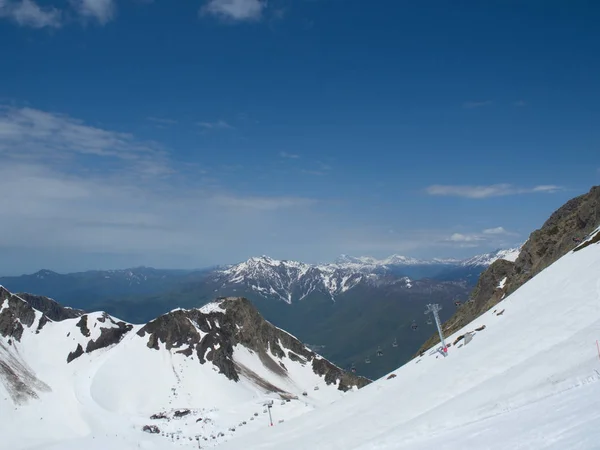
[[109, 336], [50, 308], [82, 325], [561, 233], [112, 331], [15, 314], [75, 353], [213, 334]]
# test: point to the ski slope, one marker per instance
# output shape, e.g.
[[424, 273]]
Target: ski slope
[[529, 380], [103, 399]]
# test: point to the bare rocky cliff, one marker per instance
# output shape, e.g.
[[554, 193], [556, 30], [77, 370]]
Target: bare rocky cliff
[[561, 233]]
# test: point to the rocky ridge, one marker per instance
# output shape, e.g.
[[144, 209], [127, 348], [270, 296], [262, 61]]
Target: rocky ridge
[[563, 232], [212, 333]]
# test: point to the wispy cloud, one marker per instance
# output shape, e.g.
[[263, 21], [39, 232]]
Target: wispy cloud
[[520, 103], [320, 170], [460, 237], [497, 236], [103, 11], [289, 155], [30, 14], [476, 104], [162, 121], [218, 125], [76, 189], [34, 135], [263, 203], [498, 231], [235, 10], [495, 190]]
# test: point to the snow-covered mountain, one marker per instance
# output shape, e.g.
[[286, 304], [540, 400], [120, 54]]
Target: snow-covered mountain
[[293, 280], [525, 374], [509, 379], [487, 259], [198, 374]]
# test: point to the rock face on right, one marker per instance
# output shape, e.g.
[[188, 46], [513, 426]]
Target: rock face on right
[[561, 233]]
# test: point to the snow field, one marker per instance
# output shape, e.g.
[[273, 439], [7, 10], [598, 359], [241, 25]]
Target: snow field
[[539, 353]]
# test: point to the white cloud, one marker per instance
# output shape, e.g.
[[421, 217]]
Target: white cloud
[[30, 14], [495, 190], [459, 237], [31, 134], [75, 190], [235, 10], [101, 10], [218, 125], [549, 188], [477, 104], [289, 155], [520, 103], [496, 231]]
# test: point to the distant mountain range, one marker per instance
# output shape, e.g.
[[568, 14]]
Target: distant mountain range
[[293, 281], [284, 280], [346, 308]]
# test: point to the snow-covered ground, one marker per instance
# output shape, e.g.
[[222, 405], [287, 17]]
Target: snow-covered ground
[[528, 380], [103, 399]]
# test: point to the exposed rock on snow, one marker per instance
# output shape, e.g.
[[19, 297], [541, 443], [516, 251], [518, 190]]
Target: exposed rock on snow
[[233, 321], [573, 222]]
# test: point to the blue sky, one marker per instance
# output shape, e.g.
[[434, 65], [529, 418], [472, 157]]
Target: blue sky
[[185, 134]]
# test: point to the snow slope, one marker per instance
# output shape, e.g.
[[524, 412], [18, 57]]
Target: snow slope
[[103, 398], [529, 379]]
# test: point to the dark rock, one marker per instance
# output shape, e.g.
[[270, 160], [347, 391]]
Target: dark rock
[[50, 308], [153, 429], [159, 416], [391, 376], [17, 314], [109, 336], [575, 220], [181, 413], [238, 323], [82, 325], [75, 354]]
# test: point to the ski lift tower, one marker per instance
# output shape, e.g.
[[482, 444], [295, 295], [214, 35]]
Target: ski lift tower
[[269, 404], [434, 309]]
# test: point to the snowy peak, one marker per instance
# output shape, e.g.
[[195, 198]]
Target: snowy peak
[[394, 260], [293, 280], [289, 280], [213, 332], [17, 316], [487, 259]]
